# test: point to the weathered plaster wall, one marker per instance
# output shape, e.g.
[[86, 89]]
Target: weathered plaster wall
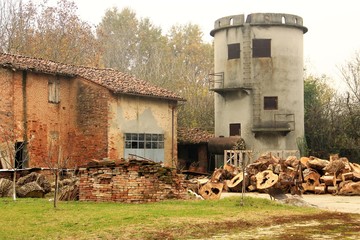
[[280, 75], [133, 114]]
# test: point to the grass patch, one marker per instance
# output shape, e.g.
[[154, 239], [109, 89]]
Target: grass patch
[[37, 219]]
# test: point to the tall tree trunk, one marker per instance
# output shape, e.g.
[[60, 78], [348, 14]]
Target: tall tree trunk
[[56, 187], [14, 185]]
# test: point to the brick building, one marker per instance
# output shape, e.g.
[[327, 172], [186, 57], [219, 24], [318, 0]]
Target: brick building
[[88, 112]]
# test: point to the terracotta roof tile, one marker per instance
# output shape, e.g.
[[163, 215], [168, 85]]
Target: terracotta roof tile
[[115, 81], [193, 135]]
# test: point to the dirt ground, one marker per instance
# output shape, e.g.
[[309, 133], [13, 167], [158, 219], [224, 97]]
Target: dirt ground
[[346, 204], [326, 225]]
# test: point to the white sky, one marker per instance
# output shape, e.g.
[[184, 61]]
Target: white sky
[[332, 39]]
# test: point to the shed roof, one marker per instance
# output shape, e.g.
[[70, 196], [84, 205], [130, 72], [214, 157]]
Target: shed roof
[[115, 81], [193, 136]]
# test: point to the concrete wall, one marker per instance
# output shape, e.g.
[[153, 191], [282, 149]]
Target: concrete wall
[[248, 80]]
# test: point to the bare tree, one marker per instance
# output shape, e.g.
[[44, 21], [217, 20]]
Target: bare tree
[[56, 163]]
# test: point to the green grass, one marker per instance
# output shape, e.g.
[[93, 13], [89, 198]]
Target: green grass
[[37, 219]]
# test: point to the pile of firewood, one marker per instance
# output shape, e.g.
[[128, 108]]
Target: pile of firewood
[[290, 175], [33, 185]]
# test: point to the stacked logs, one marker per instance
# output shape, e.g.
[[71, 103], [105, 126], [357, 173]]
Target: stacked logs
[[291, 175]]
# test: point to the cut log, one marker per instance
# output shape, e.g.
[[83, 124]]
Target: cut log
[[334, 167], [38, 178], [349, 188], [211, 190], [304, 160], [292, 161], [31, 189], [356, 177], [311, 180], [328, 180], [252, 183], [347, 176], [231, 169], [355, 167], [317, 163], [215, 177], [234, 184], [320, 189], [332, 189], [266, 179], [6, 187]]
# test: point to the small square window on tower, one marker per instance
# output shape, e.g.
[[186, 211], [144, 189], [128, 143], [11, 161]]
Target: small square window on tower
[[233, 51], [261, 48], [235, 129], [270, 103]]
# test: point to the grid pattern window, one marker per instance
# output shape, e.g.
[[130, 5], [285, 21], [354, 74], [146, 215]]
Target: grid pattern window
[[144, 141], [261, 48], [54, 90], [235, 129], [270, 103], [234, 51]]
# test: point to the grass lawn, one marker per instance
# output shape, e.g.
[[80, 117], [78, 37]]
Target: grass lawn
[[37, 219]]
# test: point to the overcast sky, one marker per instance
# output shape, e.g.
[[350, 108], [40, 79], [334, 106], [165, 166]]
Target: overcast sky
[[332, 39]]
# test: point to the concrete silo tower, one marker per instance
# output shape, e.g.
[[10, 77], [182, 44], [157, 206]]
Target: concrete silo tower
[[258, 79]]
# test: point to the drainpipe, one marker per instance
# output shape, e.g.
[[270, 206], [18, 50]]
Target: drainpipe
[[172, 132], [25, 126]]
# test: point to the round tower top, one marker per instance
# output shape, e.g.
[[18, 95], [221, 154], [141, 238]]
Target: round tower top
[[259, 19]]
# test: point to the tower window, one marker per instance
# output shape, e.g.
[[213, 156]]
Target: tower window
[[233, 51], [270, 103], [261, 48], [235, 129]]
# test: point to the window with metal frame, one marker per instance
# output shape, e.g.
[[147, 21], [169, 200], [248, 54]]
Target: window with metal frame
[[144, 141]]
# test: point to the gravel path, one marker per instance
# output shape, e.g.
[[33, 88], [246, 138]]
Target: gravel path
[[347, 204]]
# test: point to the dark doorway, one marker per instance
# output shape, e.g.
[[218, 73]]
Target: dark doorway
[[20, 155]]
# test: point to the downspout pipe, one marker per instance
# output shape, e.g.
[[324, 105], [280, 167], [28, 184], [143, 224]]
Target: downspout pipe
[[25, 160], [173, 134]]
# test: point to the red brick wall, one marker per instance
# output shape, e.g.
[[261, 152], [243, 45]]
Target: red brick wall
[[89, 137], [6, 103], [131, 182], [78, 123]]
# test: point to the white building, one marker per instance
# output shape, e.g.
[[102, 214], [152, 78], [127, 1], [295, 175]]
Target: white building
[[258, 80]]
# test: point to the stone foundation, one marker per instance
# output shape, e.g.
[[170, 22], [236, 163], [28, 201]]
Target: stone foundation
[[133, 181]]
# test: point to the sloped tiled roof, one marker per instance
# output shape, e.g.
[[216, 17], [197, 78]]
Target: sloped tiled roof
[[115, 81], [193, 136]]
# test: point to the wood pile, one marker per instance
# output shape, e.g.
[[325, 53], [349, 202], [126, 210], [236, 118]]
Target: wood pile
[[69, 189], [274, 175], [6, 189], [33, 185]]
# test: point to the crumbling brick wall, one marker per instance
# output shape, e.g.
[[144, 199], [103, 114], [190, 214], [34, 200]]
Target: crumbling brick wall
[[132, 181]]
